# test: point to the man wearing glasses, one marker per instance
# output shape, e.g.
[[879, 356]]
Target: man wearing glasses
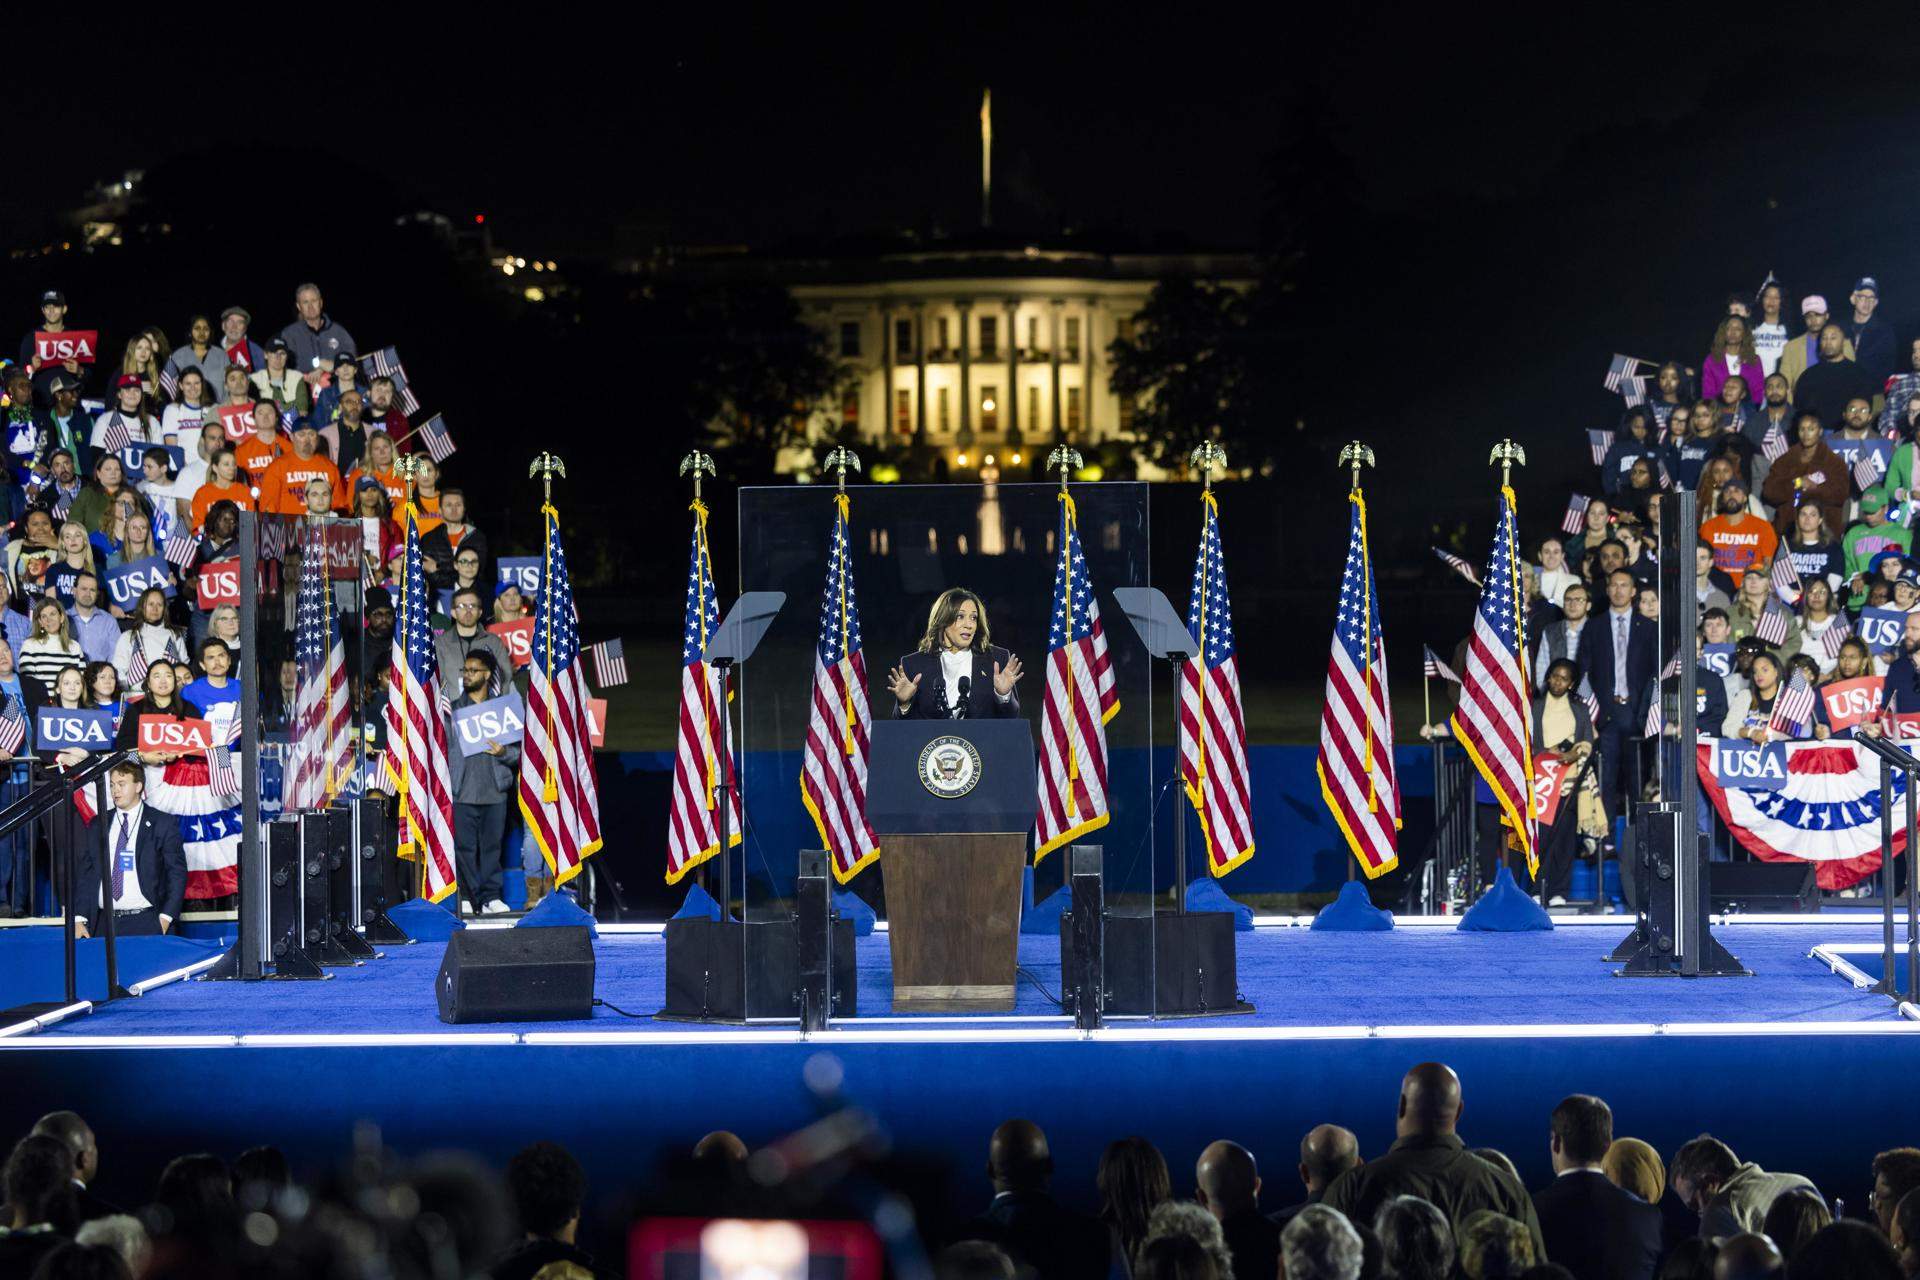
[[467, 636], [481, 783]]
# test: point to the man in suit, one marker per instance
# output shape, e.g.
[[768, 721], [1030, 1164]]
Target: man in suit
[[1593, 1228], [1325, 1153], [135, 851], [69, 1127], [1055, 1243], [957, 673], [1229, 1189], [1617, 657]]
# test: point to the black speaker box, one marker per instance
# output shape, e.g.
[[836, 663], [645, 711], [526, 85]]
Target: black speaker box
[[705, 960], [1786, 887], [1192, 969], [517, 975]]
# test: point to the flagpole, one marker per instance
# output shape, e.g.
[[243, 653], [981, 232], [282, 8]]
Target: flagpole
[[838, 461], [1509, 454], [407, 465], [1068, 460], [1203, 459], [1355, 456], [701, 464], [546, 466]]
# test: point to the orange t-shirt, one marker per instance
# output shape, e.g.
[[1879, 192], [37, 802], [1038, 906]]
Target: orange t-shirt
[[429, 505], [238, 493], [254, 458], [283, 490], [1734, 549]]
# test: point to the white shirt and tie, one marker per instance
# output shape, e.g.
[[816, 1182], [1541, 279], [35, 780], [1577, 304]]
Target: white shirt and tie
[[123, 837], [1621, 623]]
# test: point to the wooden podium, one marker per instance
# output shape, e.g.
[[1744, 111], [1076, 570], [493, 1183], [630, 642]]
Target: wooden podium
[[952, 801]]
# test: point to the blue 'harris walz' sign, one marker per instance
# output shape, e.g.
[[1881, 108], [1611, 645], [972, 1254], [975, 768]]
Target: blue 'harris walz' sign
[[60, 728]]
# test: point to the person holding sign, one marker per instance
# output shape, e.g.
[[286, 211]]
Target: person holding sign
[[181, 781], [135, 855], [1563, 730], [481, 783], [53, 319]]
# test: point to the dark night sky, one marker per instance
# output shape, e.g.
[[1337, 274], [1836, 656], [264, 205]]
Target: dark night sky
[[1532, 196]]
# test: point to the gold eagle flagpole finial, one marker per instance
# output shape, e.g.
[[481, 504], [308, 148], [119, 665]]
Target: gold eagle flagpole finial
[[1066, 461], [1206, 459], [840, 461], [1509, 455], [547, 466], [1356, 455]]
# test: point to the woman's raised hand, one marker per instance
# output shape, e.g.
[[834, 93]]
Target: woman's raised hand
[[903, 688]]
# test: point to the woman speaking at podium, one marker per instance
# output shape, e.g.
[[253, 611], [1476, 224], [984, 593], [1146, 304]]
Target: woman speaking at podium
[[956, 674]]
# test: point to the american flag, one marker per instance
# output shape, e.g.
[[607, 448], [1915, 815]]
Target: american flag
[[1652, 728], [62, 505], [1786, 581], [1213, 725], [1793, 708], [1593, 706], [417, 729], [1774, 443], [609, 663], [833, 770], [1619, 369], [693, 820], [137, 665], [1458, 565], [1355, 765], [385, 363], [1436, 669], [1576, 517], [13, 727], [439, 440], [116, 436], [1634, 391], [1868, 470], [1491, 721], [322, 744], [222, 775], [182, 546], [559, 794], [1836, 635], [1080, 699], [1771, 625], [169, 382], [1599, 442]]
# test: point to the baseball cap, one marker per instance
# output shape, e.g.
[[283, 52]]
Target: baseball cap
[[277, 344], [53, 297], [1813, 302], [1754, 643], [126, 380], [1867, 284], [1873, 500], [61, 382], [245, 315], [346, 357]]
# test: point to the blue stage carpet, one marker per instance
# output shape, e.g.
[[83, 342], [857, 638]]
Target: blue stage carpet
[[33, 963], [1294, 977]]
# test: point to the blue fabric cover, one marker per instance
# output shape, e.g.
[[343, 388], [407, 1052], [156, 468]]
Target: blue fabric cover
[[1506, 908], [1353, 910]]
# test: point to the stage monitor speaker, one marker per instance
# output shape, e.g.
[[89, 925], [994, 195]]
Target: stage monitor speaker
[[1192, 969], [517, 975], [1785, 887], [725, 971]]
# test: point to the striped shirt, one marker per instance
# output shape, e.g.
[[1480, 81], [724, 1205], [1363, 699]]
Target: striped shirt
[[44, 660]]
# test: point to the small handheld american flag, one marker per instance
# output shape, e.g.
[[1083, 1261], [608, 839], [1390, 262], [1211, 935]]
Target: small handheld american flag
[[169, 382], [181, 548], [1771, 625], [1599, 442], [1634, 391], [1458, 565], [116, 436], [1619, 369], [385, 363], [1786, 580], [438, 440], [1576, 517], [609, 663], [1836, 635], [1436, 669], [13, 727], [1793, 708], [1868, 470], [1774, 443]]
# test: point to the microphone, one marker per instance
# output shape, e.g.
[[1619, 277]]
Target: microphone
[[965, 686]]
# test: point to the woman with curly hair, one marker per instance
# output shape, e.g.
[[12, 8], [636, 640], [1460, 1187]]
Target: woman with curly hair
[[1732, 354]]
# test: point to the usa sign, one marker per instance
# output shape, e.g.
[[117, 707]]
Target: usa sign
[[59, 728], [77, 345], [502, 720], [167, 736], [518, 637], [1849, 702], [1881, 628], [1750, 766], [237, 421], [521, 571], [125, 584]]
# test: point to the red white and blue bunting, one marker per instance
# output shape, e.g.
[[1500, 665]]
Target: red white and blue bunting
[[1827, 813]]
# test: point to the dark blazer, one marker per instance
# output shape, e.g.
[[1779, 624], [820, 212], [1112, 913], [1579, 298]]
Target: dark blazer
[[982, 704], [1596, 661], [1254, 1241], [1035, 1230], [159, 861], [1596, 1230]]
